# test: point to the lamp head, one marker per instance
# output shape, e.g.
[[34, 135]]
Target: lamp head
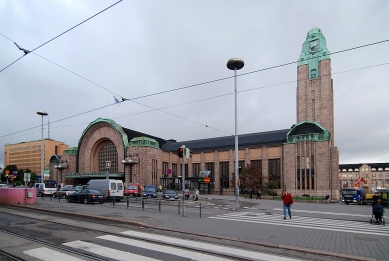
[[43, 113]]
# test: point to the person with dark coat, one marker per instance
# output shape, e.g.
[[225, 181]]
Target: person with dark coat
[[258, 194], [251, 193], [378, 210], [287, 202]]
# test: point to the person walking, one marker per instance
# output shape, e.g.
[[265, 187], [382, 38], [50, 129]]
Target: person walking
[[258, 194], [287, 202], [251, 193], [221, 191]]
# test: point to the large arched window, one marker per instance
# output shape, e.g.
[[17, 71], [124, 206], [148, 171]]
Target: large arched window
[[108, 152]]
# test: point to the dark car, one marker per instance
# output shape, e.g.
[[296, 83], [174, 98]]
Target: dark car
[[170, 195], [150, 191], [87, 196]]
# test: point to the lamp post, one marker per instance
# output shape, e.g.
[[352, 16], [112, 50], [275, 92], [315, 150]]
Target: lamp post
[[42, 113], [62, 165], [236, 64], [129, 162]]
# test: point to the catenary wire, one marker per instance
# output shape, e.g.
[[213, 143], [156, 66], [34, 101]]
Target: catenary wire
[[171, 106], [60, 34]]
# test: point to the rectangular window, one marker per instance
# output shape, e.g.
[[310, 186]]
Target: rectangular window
[[210, 166], [256, 163], [224, 168], [196, 169], [165, 166], [174, 170], [274, 173]]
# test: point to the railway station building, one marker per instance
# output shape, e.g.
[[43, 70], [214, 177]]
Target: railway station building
[[301, 158]]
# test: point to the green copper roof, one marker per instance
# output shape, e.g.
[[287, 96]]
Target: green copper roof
[[314, 50], [307, 130], [145, 142], [70, 151], [114, 124]]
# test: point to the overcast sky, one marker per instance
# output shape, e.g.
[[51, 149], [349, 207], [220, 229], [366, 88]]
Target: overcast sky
[[144, 50]]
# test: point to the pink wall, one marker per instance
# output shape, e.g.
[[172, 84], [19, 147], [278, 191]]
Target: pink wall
[[17, 196]]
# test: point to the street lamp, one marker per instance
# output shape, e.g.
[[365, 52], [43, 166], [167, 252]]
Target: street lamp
[[236, 64], [42, 113], [129, 162], [62, 165]]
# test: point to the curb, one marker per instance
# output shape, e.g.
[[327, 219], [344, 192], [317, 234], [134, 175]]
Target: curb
[[258, 243]]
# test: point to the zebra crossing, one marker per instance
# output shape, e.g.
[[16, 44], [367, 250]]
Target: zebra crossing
[[308, 223], [102, 247]]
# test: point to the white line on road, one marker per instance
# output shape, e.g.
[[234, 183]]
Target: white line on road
[[48, 254], [208, 247], [107, 252]]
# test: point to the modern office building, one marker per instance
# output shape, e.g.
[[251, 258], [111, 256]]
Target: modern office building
[[27, 155], [302, 158]]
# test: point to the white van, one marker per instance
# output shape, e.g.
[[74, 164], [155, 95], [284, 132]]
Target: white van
[[112, 188], [43, 189]]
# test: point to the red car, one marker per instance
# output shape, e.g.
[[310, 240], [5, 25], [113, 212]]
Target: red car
[[133, 190]]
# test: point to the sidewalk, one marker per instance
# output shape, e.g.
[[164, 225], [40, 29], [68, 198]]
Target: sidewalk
[[308, 240]]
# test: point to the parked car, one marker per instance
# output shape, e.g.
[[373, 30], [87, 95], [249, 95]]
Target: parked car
[[87, 196], [69, 187], [63, 192], [150, 191], [77, 188], [112, 188], [170, 195], [133, 190], [45, 189]]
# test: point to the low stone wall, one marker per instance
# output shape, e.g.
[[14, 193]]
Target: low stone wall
[[17, 196]]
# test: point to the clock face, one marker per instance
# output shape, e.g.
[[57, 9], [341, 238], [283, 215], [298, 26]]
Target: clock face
[[313, 46]]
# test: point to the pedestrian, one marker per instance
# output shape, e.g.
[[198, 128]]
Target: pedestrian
[[221, 191], [251, 193], [287, 202], [258, 194]]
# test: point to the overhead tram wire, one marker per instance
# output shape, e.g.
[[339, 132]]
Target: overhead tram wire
[[213, 97], [59, 34], [198, 84]]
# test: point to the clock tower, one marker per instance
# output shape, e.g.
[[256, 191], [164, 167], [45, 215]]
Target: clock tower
[[315, 99], [311, 161]]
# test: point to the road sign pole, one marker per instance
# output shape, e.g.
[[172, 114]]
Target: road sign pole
[[183, 183]]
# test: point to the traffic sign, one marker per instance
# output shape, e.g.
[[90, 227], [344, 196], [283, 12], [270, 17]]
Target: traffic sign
[[169, 171], [206, 173], [207, 180]]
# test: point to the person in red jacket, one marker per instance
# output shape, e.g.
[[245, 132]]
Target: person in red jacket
[[287, 202]]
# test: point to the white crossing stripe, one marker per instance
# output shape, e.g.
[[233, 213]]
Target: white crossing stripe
[[192, 255], [356, 227], [234, 252], [48, 254], [107, 252], [325, 213]]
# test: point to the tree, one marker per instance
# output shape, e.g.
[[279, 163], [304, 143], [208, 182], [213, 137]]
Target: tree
[[251, 177]]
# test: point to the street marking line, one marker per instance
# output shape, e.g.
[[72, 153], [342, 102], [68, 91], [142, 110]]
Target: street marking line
[[207, 247], [192, 255], [107, 252], [279, 221], [44, 253], [325, 213]]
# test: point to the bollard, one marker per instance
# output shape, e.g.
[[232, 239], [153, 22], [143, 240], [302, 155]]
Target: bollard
[[159, 206], [101, 202], [51, 197], [113, 202], [128, 202], [78, 199], [143, 204], [59, 199], [179, 207], [200, 209]]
